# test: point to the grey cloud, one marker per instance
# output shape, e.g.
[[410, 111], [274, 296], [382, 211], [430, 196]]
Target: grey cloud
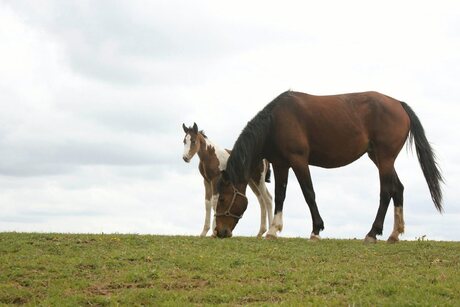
[[142, 111], [105, 39], [42, 157]]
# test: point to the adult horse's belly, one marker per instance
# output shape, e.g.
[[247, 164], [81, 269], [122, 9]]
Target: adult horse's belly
[[338, 154]]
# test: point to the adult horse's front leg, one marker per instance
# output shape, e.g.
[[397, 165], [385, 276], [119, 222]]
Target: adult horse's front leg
[[281, 179], [302, 172]]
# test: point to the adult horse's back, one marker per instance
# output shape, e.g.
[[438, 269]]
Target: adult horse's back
[[297, 130]]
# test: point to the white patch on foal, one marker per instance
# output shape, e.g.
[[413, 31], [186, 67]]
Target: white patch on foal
[[222, 155]]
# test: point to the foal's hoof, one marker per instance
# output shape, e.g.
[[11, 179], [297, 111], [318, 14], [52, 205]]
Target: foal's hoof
[[369, 239], [392, 240], [260, 234], [270, 237]]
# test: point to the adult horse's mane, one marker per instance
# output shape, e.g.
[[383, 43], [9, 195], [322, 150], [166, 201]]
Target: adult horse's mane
[[246, 152]]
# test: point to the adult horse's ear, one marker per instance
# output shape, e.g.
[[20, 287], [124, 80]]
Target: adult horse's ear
[[185, 128], [195, 128]]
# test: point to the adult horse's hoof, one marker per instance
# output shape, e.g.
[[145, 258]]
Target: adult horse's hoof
[[392, 240], [270, 237], [314, 237], [369, 239]]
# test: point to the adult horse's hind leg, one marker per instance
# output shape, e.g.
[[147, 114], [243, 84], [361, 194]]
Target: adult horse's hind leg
[[387, 191], [391, 186], [302, 173], [398, 200]]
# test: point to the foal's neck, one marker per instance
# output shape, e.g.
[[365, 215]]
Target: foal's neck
[[209, 149]]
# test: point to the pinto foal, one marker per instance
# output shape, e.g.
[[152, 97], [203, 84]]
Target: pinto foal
[[213, 160]]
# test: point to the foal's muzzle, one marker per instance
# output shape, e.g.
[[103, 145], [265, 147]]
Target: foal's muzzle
[[186, 159]]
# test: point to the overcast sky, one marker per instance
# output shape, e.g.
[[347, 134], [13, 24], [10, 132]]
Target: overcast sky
[[93, 95]]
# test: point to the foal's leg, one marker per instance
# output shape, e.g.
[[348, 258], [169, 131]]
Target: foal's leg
[[281, 179], [387, 190], [302, 173], [398, 200], [207, 202], [268, 202], [214, 199], [267, 197], [263, 210], [265, 201]]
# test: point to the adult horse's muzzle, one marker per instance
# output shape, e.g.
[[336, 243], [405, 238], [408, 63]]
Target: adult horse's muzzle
[[186, 159], [224, 233]]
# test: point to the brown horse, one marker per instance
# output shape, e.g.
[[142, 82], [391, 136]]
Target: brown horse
[[297, 130]]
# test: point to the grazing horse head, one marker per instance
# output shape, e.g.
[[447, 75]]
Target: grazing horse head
[[191, 143], [234, 203]]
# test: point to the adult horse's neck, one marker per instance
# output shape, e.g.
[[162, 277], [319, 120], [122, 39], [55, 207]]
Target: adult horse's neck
[[248, 150]]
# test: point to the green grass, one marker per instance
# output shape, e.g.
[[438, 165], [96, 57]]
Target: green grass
[[66, 270]]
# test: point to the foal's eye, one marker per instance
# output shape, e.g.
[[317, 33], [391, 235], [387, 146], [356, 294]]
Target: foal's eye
[[193, 142]]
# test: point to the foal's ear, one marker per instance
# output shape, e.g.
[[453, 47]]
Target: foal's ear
[[185, 128], [195, 128]]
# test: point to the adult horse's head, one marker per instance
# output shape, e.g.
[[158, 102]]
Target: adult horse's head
[[231, 205], [191, 143]]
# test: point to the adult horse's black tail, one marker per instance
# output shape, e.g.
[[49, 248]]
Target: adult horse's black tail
[[426, 157]]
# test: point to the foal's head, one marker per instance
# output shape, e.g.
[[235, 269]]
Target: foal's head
[[191, 142]]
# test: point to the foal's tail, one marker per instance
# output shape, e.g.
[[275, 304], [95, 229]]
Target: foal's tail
[[426, 157]]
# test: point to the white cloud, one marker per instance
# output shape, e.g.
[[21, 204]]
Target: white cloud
[[93, 96]]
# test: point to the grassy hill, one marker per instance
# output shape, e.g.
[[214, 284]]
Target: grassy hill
[[66, 269]]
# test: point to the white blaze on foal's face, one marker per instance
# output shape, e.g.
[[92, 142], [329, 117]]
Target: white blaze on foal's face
[[187, 144]]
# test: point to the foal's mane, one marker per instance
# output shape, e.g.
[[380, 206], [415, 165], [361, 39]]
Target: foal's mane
[[202, 133], [247, 151]]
